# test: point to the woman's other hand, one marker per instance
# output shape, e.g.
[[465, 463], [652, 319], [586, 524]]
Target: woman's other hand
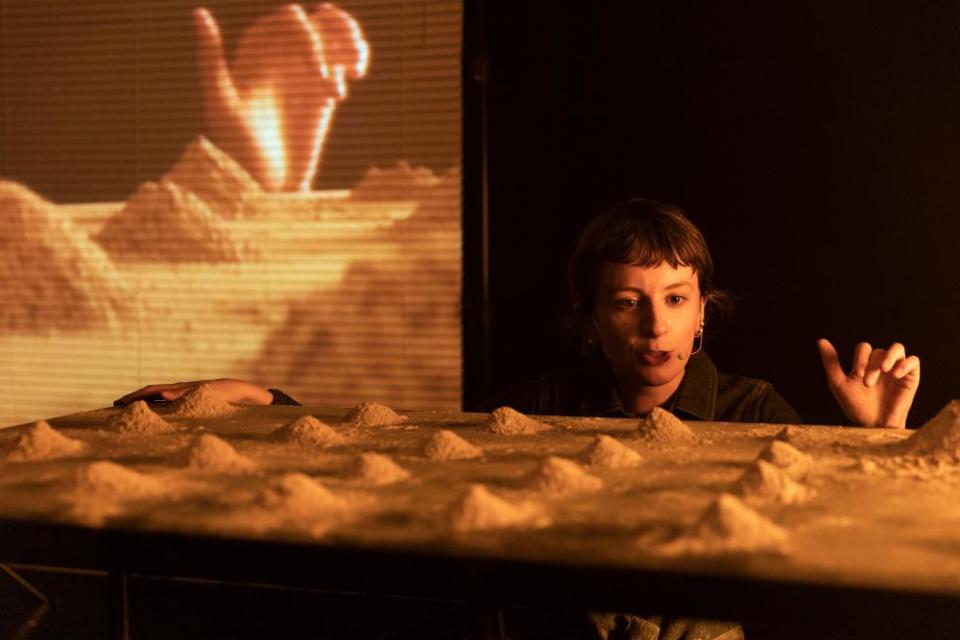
[[880, 387], [233, 391]]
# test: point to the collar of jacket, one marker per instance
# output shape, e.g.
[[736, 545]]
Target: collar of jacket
[[695, 398]]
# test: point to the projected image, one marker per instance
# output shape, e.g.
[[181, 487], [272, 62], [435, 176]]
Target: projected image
[[238, 258]]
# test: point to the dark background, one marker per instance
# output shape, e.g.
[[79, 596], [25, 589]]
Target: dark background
[[816, 146]]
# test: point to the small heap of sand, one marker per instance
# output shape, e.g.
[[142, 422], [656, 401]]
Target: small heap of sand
[[137, 418], [939, 438], [163, 222], [399, 182], [374, 468], [209, 453], [509, 422], [202, 402], [661, 426], [40, 441], [788, 434], [216, 179], [446, 445], [110, 480], [480, 509], [794, 462], [297, 494], [308, 431], [764, 481], [730, 526], [371, 414], [51, 275], [609, 453], [559, 476]]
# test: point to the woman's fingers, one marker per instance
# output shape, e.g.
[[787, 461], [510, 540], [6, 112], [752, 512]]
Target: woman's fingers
[[831, 362], [907, 366], [861, 358], [872, 373], [895, 353]]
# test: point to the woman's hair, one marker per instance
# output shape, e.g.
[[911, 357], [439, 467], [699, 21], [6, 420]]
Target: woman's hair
[[641, 232]]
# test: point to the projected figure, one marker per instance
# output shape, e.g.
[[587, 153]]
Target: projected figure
[[272, 106]]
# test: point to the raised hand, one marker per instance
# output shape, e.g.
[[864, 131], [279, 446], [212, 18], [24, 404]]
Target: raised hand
[[233, 391], [880, 387], [272, 108]]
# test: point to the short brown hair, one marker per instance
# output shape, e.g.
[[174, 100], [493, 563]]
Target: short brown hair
[[641, 232]]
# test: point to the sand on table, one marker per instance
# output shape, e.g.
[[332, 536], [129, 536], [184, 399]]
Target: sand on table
[[378, 469], [308, 431], [207, 452], [40, 441], [794, 462], [137, 418], [560, 476], [609, 453], [372, 414], [480, 509], [445, 445], [730, 526], [510, 422], [662, 427], [202, 402], [765, 481]]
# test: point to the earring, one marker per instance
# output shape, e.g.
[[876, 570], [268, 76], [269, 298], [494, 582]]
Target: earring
[[698, 334]]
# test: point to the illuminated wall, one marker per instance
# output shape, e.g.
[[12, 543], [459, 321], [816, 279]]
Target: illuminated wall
[[239, 189]]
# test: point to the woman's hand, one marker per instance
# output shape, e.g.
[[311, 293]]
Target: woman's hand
[[880, 387], [271, 109], [233, 391]]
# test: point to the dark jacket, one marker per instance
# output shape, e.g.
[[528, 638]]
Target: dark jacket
[[704, 394]]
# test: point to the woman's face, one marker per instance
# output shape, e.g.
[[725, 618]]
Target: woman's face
[[645, 317]]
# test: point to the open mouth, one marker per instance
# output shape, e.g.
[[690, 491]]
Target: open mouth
[[654, 358]]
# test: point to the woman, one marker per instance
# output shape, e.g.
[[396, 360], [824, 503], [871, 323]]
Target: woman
[[641, 280]]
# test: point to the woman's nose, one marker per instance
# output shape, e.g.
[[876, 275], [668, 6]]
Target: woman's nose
[[655, 322]]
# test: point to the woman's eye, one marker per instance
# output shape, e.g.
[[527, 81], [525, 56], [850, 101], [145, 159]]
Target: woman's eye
[[676, 300], [626, 303]]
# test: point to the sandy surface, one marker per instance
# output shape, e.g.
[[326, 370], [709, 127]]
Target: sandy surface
[[862, 521]]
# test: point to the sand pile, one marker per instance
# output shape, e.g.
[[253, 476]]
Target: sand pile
[[730, 526], [445, 445], [661, 426], [308, 431], [609, 453], [209, 453], [399, 182], [51, 275], [479, 509], [371, 414], [794, 462], [939, 439], [163, 222], [110, 480], [137, 418], [764, 481], [374, 468], [559, 476], [387, 352], [40, 441], [789, 434], [202, 402], [298, 495], [508, 422], [216, 179]]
